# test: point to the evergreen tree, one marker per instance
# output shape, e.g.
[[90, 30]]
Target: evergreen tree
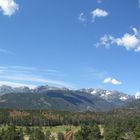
[[27, 131], [60, 136], [52, 138], [137, 132], [95, 133], [39, 135], [110, 134], [78, 136], [48, 135], [84, 132]]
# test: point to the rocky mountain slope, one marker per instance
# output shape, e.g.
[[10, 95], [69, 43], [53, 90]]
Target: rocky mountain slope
[[46, 97]]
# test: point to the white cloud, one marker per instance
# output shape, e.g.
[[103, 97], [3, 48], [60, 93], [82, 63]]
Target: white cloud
[[98, 13], [9, 7], [6, 51], [82, 18], [111, 80], [130, 41]]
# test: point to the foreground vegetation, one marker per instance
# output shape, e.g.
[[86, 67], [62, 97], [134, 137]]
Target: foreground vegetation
[[123, 124], [36, 133]]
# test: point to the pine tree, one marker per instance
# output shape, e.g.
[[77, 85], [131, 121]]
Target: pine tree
[[60, 136], [137, 132], [95, 133]]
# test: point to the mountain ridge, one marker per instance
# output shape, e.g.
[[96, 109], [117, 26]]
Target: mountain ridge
[[47, 97]]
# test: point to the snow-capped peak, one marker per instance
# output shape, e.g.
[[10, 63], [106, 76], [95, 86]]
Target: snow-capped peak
[[110, 95], [94, 92], [137, 95], [108, 92], [123, 98]]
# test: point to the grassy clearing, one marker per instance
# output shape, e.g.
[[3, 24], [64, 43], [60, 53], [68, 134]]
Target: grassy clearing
[[54, 129], [62, 129]]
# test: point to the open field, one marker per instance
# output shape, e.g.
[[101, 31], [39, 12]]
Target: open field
[[53, 130]]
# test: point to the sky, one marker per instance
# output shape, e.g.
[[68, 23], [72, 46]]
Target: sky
[[70, 43]]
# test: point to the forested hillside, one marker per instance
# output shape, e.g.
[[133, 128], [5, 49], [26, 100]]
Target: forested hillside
[[36, 124]]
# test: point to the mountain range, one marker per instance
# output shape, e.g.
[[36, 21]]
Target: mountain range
[[47, 97]]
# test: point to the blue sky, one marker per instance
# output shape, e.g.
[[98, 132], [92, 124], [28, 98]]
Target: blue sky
[[75, 43]]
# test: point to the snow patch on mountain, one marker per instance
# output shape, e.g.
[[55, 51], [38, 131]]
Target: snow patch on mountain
[[108, 92], [110, 96], [124, 98], [94, 92], [137, 95]]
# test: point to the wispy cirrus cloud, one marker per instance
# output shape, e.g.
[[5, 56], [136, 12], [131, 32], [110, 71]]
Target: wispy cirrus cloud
[[99, 1], [139, 3], [110, 80], [8, 7], [30, 76], [4, 51], [130, 41], [16, 84], [98, 13], [34, 80], [95, 73], [82, 18]]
